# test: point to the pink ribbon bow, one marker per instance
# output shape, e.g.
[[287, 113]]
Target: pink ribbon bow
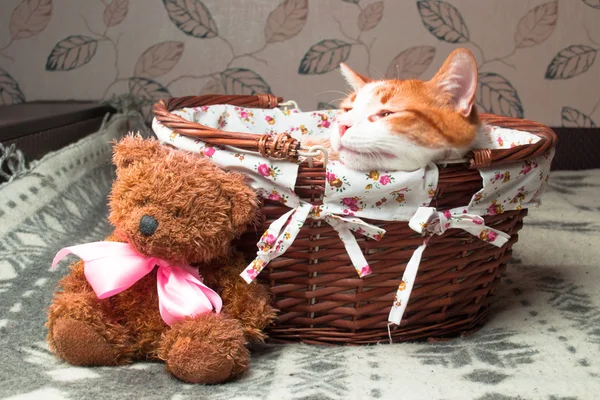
[[112, 267]]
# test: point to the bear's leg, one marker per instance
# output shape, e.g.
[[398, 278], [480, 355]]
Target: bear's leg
[[250, 304], [81, 332], [208, 349]]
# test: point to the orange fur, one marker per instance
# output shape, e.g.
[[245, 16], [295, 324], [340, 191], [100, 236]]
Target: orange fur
[[438, 114], [428, 120]]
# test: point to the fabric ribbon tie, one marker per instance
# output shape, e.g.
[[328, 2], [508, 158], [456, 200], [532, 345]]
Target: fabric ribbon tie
[[112, 267], [428, 221], [282, 233]]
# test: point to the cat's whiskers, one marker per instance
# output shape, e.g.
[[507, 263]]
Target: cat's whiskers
[[379, 160], [334, 100], [344, 94], [372, 156], [378, 72], [375, 156]]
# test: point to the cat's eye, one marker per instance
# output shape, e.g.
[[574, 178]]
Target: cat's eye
[[346, 109], [380, 114]]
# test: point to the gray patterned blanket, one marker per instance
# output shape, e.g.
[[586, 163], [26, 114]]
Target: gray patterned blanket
[[542, 340]]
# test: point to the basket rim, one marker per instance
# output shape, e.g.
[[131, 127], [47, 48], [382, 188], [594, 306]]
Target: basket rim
[[285, 147]]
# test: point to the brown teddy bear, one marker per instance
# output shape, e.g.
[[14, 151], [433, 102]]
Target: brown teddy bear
[[171, 210]]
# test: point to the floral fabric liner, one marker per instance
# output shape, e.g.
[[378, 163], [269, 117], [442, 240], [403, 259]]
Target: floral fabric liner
[[351, 195]]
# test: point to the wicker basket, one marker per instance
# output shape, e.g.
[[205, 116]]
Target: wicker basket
[[321, 299]]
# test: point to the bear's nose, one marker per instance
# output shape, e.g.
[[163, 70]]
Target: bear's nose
[[148, 225]]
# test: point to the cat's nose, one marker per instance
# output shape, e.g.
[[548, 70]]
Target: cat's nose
[[343, 129], [148, 225]]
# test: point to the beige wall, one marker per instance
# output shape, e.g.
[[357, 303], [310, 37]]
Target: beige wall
[[240, 46]]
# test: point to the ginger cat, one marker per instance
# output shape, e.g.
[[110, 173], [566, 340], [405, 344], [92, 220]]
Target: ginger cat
[[403, 125]]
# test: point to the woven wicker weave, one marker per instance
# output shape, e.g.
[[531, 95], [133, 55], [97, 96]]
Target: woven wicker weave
[[321, 299]]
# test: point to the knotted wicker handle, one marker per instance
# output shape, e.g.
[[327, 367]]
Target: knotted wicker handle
[[280, 147], [285, 147]]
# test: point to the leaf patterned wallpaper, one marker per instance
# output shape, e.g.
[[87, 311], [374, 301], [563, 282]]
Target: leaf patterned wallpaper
[[536, 59]]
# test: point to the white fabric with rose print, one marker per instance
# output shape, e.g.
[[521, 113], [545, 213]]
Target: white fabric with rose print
[[351, 195]]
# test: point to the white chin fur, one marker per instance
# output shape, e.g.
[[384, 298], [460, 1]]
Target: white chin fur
[[406, 155], [407, 162]]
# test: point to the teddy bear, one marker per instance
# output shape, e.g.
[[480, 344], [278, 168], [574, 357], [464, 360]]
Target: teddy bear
[[165, 285]]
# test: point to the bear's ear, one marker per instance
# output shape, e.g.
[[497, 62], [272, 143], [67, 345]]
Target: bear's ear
[[244, 203], [134, 147]]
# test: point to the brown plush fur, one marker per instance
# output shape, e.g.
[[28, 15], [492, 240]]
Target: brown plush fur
[[200, 209]]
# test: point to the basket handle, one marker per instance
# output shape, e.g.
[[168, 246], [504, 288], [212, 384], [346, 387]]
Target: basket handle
[[279, 147], [482, 158]]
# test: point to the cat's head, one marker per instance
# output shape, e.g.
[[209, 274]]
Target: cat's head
[[405, 124]]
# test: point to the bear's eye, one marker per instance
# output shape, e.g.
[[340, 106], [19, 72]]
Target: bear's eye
[[177, 213]]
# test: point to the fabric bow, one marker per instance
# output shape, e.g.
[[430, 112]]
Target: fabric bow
[[428, 221], [112, 267], [282, 233]]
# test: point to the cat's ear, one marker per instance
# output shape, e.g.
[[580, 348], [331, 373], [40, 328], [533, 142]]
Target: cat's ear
[[457, 80], [354, 79]]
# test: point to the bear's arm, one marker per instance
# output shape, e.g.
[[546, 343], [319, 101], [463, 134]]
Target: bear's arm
[[75, 280], [248, 303]]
